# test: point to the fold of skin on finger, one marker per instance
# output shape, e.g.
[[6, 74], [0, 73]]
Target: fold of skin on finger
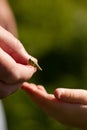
[[8, 89], [71, 95], [12, 72], [14, 47], [74, 115]]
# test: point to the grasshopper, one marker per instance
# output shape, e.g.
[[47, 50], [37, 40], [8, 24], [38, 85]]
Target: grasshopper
[[35, 64]]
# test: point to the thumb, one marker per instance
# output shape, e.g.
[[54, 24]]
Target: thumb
[[71, 95]]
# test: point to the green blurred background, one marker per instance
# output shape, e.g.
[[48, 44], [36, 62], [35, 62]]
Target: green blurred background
[[55, 32]]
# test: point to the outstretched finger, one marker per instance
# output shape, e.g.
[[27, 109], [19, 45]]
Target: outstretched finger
[[13, 47], [34, 90], [71, 95]]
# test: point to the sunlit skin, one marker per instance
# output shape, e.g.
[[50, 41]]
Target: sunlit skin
[[67, 106], [14, 69]]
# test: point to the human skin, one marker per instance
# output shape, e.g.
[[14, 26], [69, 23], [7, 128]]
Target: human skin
[[7, 19], [14, 69], [67, 106], [14, 66]]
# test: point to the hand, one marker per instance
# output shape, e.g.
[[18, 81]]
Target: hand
[[68, 106], [7, 19], [14, 69]]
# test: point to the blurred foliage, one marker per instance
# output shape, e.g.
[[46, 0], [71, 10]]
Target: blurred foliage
[[55, 32]]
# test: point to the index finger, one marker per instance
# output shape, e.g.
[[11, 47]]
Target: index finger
[[13, 46]]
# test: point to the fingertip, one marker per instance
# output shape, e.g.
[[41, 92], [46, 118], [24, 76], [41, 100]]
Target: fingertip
[[28, 86], [59, 92], [24, 85]]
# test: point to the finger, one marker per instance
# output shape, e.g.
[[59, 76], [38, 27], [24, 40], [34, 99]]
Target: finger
[[39, 95], [6, 65], [13, 47], [63, 112], [34, 90], [38, 92], [24, 72], [71, 95], [66, 113], [11, 72], [40, 87]]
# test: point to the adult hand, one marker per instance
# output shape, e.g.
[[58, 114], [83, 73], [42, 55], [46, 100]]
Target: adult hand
[[14, 69], [67, 106]]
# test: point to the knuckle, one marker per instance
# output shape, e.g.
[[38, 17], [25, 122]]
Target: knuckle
[[14, 77], [18, 77]]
